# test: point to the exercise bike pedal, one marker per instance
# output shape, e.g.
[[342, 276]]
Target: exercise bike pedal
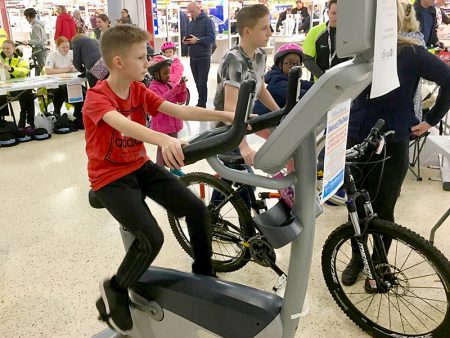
[[280, 283]]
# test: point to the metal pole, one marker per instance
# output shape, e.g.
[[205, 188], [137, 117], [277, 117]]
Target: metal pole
[[302, 246]]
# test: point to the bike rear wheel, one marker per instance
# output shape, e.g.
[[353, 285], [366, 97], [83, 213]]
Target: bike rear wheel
[[417, 301], [229, 217]]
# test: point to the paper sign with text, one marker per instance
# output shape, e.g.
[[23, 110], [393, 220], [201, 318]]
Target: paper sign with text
[[74, 93], [335, 146], [385, 78]]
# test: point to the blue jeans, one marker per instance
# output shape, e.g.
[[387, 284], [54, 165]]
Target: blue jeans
[[200, 70]]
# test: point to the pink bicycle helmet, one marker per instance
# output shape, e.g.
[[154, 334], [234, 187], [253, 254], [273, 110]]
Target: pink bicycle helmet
[[288, 48], [168, 45], [157, 62]]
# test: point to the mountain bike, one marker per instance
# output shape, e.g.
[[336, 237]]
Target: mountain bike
[[405, 288]]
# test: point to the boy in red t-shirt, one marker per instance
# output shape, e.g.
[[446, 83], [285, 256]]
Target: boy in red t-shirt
[[121, 173]]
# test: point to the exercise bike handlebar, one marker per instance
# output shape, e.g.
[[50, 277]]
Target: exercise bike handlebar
[[273, 119], [223, 139], [226, 138]]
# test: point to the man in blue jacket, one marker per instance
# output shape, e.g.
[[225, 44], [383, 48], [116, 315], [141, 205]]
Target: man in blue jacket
[[200, 39]]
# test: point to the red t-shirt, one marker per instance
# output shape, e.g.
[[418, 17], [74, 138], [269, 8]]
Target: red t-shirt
[[110, 154]]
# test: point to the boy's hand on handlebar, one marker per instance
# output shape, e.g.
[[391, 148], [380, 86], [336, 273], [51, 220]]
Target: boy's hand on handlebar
[[247, 153], [172, 152], [421, 128]]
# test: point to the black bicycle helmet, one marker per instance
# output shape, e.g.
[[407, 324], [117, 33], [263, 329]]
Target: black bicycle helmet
[[30, 12]]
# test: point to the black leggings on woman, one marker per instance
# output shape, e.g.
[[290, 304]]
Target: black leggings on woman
[[124, 199]]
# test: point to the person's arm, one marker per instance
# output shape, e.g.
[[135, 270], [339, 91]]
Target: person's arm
[[54, 71], [431, 68], [58, 28], [266, 98], [231, 94], [189, 113], [38, 36], [77, 59], [312, 66], [207, 39], [21, 70]]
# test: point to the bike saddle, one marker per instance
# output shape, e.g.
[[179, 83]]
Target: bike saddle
[[231, 158]]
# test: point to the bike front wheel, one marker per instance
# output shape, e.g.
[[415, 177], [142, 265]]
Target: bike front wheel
[[416, 299], [230, 220]]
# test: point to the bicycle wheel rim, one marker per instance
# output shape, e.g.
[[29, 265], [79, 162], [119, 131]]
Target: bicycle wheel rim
[[417, 307], [228, 234]]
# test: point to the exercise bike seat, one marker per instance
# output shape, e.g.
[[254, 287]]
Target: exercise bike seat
[[210, 302]]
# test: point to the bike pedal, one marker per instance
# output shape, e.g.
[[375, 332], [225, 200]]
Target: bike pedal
[[280, 283]]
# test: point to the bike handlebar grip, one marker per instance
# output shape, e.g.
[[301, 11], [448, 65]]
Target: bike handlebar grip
[[273, 119], [378, 125], [230, 138], [293, 88]]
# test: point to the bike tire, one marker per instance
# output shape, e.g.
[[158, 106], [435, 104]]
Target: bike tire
[[423, 306], [228, 254]]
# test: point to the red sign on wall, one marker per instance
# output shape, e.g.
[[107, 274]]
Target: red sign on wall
[[4, 17], [149, 21]]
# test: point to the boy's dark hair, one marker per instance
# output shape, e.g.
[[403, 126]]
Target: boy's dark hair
[[332, 2], [248, 16], [116, 41]]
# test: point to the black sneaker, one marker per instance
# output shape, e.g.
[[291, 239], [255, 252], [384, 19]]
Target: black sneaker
[[116, 307], [351, 272]]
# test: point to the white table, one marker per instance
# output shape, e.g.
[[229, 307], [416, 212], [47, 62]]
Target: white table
[[442, 144]]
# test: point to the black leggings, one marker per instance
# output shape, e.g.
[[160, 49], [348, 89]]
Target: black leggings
[[124, 199]]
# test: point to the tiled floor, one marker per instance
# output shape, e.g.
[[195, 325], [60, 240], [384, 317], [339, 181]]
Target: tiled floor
[[54, 248]]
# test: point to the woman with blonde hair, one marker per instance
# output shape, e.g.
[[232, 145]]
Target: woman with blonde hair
[[396, 108]]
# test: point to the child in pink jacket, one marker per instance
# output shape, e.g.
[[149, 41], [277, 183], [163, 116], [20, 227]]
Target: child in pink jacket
[[176, 92], [176, 68]]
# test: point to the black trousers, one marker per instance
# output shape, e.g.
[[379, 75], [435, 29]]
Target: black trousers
[[394, 174], [124, 199], [200, 70], [26, 102], [60, 96]]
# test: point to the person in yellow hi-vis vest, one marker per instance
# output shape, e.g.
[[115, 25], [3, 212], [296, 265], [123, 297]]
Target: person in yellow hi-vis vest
[[3, 37], [14, 66]]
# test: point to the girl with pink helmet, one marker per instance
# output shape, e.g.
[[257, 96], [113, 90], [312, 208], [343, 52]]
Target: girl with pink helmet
[[162, 85], [286, 57], [169, 48]]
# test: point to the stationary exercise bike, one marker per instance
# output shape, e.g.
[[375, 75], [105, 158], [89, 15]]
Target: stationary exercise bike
[[170, 304]]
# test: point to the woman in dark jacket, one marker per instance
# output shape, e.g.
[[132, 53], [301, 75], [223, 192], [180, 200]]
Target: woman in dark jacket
[[396, 108], [86, 52]]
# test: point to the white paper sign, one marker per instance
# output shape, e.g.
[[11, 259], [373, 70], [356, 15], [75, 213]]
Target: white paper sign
[[385, 78], [335, 146], [74, 93]]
